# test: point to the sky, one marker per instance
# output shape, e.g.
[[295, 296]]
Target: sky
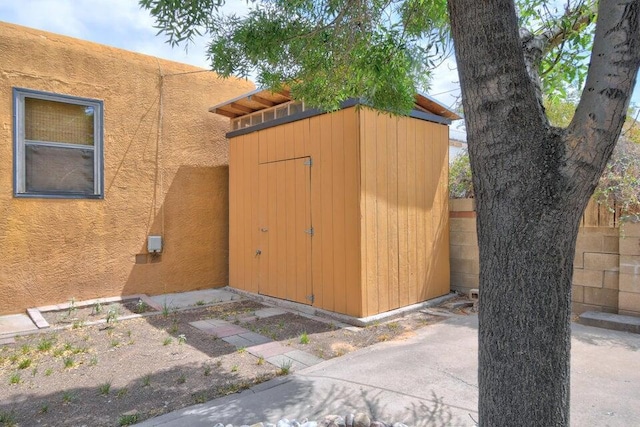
[[122, 24]]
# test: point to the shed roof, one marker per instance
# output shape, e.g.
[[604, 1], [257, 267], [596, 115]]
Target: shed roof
[[260, 99]]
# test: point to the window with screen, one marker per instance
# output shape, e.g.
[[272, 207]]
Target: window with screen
[[58, 145]]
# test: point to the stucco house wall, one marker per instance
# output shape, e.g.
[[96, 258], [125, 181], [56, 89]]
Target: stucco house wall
[[165, 173]]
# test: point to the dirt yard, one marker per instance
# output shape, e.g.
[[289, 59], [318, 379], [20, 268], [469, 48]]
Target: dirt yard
[[124, 371]]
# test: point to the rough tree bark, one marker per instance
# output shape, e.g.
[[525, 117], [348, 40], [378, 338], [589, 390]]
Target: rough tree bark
[[532, 182]]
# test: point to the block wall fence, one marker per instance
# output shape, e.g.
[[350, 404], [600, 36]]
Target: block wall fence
[[606, 275]]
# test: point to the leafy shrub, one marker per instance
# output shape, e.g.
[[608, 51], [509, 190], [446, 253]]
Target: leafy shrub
[[460, 184]]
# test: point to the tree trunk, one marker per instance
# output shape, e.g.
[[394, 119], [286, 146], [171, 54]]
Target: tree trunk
[[532, 183]]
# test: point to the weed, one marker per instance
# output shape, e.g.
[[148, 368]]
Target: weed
[[127, 419], [24, 364], [68, 362], [68, 397], [122, 392], [26, 348], [112, 315], [207, 371], [274, 336], [14, 378], [78, 350], [115, 343], [281, 324], [199, 397], [393, 326], [304, 338], [97, 308], [34, 372], [45, 344], [72, 307], [234, 368], [260, 361], [383, 337], [182, 339], [7, 419], [77, 324], [166, 309], [200, 302], [146, 380], [129, 333], [174, 327], [67, 347], [58, 352], [14, 358], [285, 367], [141, 307], [182, 379], [218, 363], [93, 361], [105, 388], [48, 372], [242, 350], [167, 341], [44, 409]]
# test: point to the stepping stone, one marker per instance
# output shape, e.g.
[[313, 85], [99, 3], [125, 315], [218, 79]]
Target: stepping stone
[[268, 350], [237, 341], [226, 331], [269, 312], [256, 339], [303, 357], [283, 360], [204, 325]]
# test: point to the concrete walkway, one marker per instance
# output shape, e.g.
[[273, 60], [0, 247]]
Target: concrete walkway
[[429, 380]]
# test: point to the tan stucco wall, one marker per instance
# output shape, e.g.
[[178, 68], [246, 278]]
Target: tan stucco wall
[[170, 180]]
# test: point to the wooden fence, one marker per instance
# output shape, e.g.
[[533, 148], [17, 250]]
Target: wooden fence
[[597, 215]]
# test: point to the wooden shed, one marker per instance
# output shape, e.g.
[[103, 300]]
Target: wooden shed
[[346, 211]]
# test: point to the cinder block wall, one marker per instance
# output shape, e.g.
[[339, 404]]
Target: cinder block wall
[[606, 275], [629, 278]]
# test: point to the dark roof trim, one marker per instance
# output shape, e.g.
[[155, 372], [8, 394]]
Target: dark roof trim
[[420, 115]]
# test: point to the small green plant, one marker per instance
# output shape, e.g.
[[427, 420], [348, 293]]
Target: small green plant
[[174, 326], [281, 324], [129, 333], [45, 344], [199, 397], [68, 362], [200, 302], [93, 361], [72, 307], [182, 379], [44, 409], [260, 361], [182, 339], [393, 326], [122, 392], [167, 341], [78, 350], [146, 380], [58, 352], [285, 367], [207, 371], [115, 343], [105, 388], [26, 349], [112, 315], [7, 419], [34, 372], [77, 324], [304, 338], [14, 358], [127, 419], [241, 350], [234, 368], [166, 309], [15, 378], [97, 308], [141, 306], [24, 364], [68, 397], [48, 372], [67, 347]]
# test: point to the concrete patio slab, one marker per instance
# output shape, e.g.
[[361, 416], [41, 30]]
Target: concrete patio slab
[[256, 339], [15, 324], [268, 349]]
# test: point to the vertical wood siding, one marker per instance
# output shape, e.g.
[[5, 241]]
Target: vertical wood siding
[[404, 199], [332, 141]]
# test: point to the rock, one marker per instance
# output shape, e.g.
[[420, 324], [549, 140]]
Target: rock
[[219, 425], [348, 420], [377, 424], [283, 423], [269, 425], [399, 425], [131, 413], [255, 425], [334, 421], [361, 420], [310, 424]]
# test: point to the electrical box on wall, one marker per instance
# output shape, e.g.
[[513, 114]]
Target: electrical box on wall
[[154, 244]]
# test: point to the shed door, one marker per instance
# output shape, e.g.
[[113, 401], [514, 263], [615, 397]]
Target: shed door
[[285, 229]]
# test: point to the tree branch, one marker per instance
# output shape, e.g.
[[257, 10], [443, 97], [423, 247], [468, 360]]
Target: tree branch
[[601, 112]]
